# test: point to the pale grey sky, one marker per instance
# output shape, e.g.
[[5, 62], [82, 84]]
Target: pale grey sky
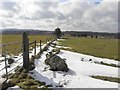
[[93, 15]]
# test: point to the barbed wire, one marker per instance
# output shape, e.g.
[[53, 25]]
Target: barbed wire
[[5, 44]]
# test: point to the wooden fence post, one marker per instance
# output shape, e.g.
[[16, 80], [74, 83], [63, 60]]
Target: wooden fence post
[[5, 62], [40, 45], [35, 48], [26, 62], [46, 40]]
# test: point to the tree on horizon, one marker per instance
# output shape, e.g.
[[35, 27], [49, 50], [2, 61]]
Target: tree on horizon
[[57, 32]]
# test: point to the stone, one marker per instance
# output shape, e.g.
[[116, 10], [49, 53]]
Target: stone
[[10, 61], [5, 86], [32, 59], [90, 59], [56, 51], [56, 63]]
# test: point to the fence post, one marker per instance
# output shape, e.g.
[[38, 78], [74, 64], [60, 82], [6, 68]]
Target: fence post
[[40, 45], [35, 48], [46, 40], [26, 62], [5, 63]]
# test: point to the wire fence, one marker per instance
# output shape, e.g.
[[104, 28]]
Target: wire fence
[[7, 68]]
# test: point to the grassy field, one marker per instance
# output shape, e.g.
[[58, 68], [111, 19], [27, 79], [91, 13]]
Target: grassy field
[[16, 48], [106, 48]]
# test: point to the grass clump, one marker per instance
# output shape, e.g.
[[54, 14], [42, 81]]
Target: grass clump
[[17, 68], [30, 84], [111, 79], [113, 65], [14, 81], [16, 75], [22, 75]]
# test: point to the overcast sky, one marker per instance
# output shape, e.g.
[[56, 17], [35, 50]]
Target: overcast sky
[[82, 15]]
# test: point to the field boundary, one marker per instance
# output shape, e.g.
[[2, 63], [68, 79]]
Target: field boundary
[[25, 53]]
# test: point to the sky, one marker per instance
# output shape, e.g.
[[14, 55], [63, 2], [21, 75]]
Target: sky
[[70, 15]]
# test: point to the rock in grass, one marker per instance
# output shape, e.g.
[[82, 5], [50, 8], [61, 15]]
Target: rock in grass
[[56, 50], [49, 54], [32, 59], [53, 52], [56, 63]]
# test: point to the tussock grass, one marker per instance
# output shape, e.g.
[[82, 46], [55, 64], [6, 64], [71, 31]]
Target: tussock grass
[[24, 81], [113, 65]]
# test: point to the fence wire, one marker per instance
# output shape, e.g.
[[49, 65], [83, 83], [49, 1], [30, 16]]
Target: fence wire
[[19, 51], [7, 51]]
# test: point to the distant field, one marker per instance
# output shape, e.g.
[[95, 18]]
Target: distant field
[[106, 48], [15, 48]]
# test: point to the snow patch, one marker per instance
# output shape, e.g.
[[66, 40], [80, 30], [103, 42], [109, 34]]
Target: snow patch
[[79, 74]]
